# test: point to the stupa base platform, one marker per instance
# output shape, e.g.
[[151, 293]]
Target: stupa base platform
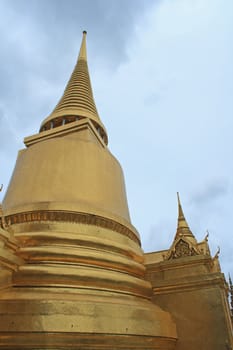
[[69, 320]]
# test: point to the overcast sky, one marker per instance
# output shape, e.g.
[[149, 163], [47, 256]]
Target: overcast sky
[[162, 77]]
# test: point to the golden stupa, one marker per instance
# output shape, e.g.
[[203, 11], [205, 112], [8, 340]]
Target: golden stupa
[[74, 276], [72, 271]]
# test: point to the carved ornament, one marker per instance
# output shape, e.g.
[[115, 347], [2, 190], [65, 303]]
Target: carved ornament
[[182, 249], [73, 217]]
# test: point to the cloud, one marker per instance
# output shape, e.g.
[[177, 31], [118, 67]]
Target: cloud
[[163, 80], [211, 192], [40, 46], [109, 22], [161, 235], [173, 112]]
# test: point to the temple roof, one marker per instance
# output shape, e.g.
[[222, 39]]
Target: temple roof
[[77, 101], [184, 243]]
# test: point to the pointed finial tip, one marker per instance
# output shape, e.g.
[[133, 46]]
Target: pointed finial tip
[[178, 197], [84, 32]]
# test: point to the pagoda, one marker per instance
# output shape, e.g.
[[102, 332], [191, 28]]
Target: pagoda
[[72, 268], [73, 274]]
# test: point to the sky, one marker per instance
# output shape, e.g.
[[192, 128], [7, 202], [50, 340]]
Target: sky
[[162, 78]]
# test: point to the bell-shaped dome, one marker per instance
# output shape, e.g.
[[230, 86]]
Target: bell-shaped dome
[[81, 277]]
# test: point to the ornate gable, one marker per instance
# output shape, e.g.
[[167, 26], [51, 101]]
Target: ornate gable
[[182, 249]]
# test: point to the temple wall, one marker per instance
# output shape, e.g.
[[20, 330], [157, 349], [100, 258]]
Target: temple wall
[[196, 297]]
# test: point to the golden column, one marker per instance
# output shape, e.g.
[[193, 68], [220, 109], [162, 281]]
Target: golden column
[[79, 280]]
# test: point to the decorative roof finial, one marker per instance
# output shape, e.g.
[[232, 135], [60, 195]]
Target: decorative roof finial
[[217, 253], [231, 294], [230, 281], [1, 187], [182, 225], [207, 236], [180, 211]]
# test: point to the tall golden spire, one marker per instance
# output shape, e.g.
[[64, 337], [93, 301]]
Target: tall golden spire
[[77, 101], [182, 225]]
